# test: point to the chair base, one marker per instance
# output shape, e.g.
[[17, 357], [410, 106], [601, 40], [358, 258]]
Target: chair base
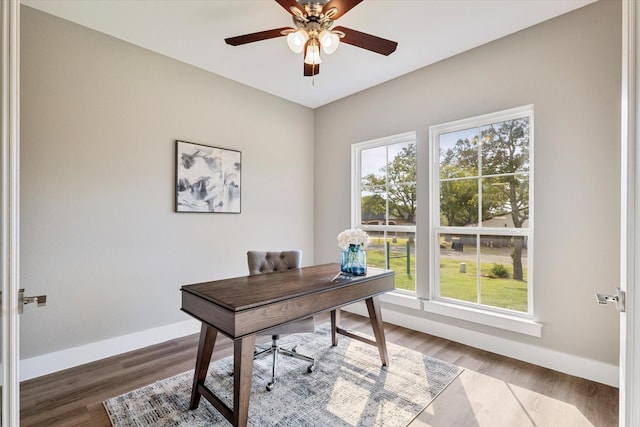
[[274, 350]]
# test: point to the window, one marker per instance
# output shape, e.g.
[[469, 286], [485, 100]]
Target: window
[[481, 212], [384, 189]]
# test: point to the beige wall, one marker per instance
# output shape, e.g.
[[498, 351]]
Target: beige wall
[[570, 69], [99, 120], [99, 235]]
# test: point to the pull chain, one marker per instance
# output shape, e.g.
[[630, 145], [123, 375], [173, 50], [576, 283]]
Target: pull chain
[[313, 74]]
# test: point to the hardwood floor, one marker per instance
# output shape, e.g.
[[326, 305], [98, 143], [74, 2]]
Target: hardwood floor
[[492, 391]]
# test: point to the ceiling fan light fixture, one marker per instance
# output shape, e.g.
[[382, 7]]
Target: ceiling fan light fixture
[[313, 53], [313, 30], [329, 41], [297, 40]]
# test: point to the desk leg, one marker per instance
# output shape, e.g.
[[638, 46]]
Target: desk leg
[[205, 348], [373, 306], [242, 369], [335, 323]]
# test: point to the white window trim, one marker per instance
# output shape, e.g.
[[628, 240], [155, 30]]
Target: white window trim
[[517, 322]]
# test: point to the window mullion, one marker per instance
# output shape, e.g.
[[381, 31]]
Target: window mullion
[[480, 140], [386, 189], [478, 270], [480, 218]]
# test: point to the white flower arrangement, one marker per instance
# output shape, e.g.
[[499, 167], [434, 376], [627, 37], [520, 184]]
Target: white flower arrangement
[[353, 236]]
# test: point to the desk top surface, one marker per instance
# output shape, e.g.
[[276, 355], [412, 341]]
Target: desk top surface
[[246, 292]]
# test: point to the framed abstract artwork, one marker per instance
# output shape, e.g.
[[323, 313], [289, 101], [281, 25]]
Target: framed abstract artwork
[[207, 178]]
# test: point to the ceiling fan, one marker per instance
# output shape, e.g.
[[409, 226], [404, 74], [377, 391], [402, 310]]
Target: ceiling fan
[[313, 20]]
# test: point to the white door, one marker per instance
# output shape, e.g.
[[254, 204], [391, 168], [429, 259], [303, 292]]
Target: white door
[[10, 35], [630, 218], [12, 298]]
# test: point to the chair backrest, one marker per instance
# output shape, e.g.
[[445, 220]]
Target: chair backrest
[[268, 261]]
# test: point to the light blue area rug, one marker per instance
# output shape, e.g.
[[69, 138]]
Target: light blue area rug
[[348, 388]]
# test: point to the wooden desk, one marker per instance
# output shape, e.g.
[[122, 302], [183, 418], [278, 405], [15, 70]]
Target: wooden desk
[[242, 306]]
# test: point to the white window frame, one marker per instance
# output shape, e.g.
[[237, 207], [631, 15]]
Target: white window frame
[[422, 299], [401, 296], [505, 319]]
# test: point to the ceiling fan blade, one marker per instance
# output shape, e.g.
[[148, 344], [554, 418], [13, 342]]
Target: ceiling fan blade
[[288, 4], [311, 70], [255, 37], [367, 41], [343, 7]]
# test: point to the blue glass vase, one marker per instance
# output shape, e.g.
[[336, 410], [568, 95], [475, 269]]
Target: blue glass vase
[[354, 261]]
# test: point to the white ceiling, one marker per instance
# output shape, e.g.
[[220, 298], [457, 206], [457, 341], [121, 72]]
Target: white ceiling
[[193, 31]]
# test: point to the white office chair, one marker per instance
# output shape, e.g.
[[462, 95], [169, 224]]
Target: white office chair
[[261, 262]]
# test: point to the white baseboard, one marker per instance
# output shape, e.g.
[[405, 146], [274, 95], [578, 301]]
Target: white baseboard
[[562, 362], [64, 359], [570, 364]]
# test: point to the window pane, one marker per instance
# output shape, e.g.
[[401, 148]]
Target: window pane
[[402, 204], [458, 267], [373, 206], [376, 249], [402, 163], [373, 162], [401, 258], [505, 147], [505, 201], [459, 202], [503, 272], [458, 154]]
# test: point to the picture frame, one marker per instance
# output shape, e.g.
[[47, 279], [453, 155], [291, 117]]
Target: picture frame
[[208, 179]]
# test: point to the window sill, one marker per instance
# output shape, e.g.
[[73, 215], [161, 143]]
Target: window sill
[[402, 299], [496, 320]]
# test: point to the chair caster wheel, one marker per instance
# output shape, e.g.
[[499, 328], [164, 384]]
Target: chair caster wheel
[[311, 368], [294, 349], [270, 386]]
